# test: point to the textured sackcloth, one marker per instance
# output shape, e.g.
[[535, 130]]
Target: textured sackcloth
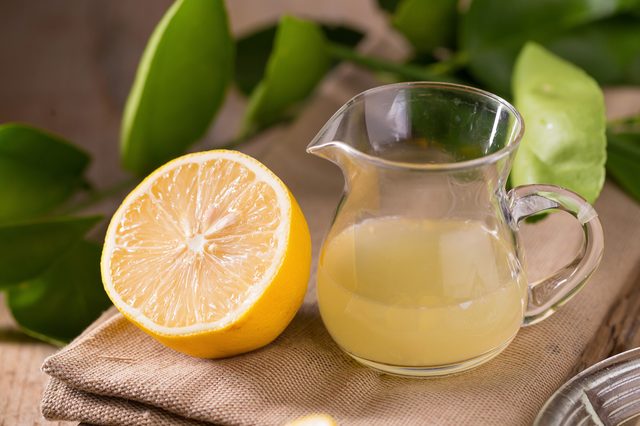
[[116, 374]]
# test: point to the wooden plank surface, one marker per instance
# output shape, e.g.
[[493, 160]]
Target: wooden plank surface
[[67, 67], [620, 331], [21, 382]]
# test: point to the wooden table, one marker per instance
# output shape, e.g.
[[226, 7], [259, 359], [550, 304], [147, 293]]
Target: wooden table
[[67, 67]]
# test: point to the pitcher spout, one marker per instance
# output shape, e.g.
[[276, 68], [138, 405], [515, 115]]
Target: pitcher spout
[[334, 141], [334, 151]]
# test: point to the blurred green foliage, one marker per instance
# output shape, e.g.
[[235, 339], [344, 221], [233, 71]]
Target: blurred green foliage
[[427, 24], [623, 154], [298, 50], [494, 31], [38, 170], [57, 304]]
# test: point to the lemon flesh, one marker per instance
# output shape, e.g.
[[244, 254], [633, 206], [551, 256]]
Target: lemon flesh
[[210, 254]]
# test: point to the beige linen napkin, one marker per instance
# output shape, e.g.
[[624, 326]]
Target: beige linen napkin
[[116, 374]]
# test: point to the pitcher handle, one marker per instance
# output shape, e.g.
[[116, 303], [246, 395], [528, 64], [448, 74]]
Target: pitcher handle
[[546, 295]]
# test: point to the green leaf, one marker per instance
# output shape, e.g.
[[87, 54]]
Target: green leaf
[[253, 51], [38, 171], [299, 60], [388, 5], [252, 54], [493, 31], [180, 84], [608, 50], [57, 305], [28, 248], [630, 124], [343, 35], [623, 161], [427, 24], [563, 109]]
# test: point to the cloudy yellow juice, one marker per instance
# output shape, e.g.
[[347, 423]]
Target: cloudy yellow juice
[[420, 293]]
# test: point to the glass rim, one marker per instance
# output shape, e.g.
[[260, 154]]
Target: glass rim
[[513, 144]]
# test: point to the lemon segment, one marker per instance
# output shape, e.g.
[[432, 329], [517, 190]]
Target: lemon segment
[[210, 255]]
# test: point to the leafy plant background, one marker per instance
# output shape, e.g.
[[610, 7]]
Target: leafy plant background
[[48, 263]]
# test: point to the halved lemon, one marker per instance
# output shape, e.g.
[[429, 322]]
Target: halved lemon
[[210, 255]]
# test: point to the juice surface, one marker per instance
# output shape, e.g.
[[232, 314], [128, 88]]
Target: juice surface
[[408, 292]]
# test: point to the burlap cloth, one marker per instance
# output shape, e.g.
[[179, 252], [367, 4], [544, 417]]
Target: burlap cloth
[[115, 374]]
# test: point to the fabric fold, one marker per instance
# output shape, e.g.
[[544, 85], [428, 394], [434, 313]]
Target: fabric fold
[[64, 402]]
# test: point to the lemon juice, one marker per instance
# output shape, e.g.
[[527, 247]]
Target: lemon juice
[[408, 292]]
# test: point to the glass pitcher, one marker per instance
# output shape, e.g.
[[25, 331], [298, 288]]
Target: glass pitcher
[[421, 273]]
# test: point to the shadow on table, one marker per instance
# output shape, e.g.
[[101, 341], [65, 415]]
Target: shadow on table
[[13, 335]]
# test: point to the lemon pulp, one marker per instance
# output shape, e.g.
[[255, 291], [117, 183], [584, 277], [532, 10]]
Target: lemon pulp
[[196, 245]]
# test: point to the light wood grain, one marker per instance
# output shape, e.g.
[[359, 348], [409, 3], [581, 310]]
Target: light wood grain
[[620, 331], [21, 382]]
